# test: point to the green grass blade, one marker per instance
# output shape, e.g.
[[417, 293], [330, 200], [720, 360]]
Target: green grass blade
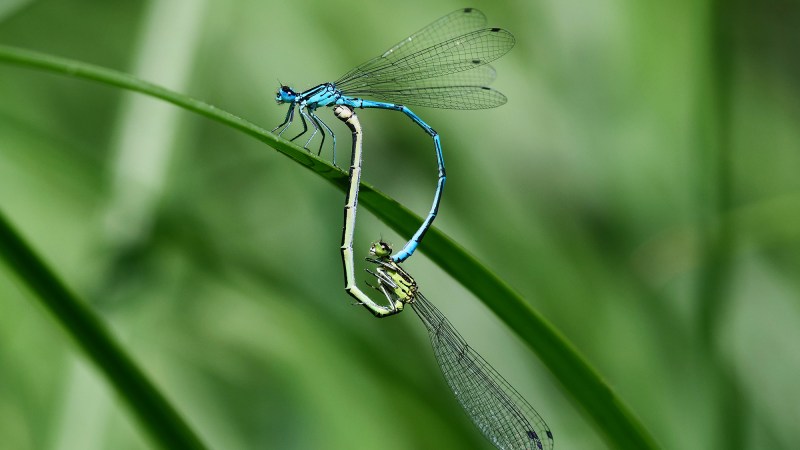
[[620, 428], [166, 428]]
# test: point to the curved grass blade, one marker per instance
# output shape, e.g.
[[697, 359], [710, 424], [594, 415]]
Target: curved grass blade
[[609, 414]]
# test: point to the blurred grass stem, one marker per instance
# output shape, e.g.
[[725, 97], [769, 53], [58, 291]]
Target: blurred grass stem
[[716, 273]]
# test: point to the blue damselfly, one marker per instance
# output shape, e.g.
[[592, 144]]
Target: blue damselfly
[[444, 65]]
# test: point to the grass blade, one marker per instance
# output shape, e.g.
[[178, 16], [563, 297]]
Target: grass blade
[[155, 414], [612, 418]]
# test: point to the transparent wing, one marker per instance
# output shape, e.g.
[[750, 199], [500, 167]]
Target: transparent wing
[[494, 406], [461, 90], [464, 52], [447, 97], [479, 76], [445, 28]]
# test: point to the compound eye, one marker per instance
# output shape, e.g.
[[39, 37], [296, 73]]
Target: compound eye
[[382, 248]]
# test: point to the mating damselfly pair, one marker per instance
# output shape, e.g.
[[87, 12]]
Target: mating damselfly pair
[[444, 65]]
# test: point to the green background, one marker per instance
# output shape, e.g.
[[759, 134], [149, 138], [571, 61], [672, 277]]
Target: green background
[[640, 189]]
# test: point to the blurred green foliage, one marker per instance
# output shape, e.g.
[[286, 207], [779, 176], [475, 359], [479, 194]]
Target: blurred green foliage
[[639, 189]]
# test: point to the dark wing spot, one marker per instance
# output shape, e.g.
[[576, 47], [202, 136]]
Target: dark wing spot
[[535, 438], [476, 61], [467, 10], [487, 88], [495, 29], [549, 434]]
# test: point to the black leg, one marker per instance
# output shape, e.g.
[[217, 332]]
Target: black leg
[[320, 126], [305, 126], [287, 121], [333, 135], [313, 124]]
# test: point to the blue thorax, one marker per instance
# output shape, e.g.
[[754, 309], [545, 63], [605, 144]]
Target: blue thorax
[[325, 94]]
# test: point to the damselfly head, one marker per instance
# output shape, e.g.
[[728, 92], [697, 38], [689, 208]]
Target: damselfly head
[[285, 95], [380, 249]]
